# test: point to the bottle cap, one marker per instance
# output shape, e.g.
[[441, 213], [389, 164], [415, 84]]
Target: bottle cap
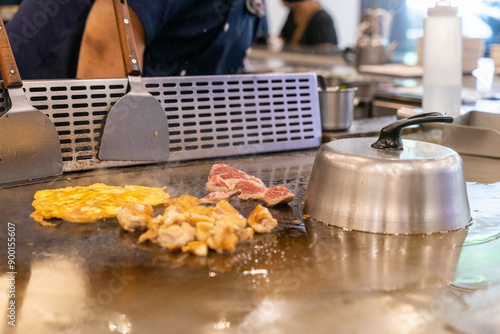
[[443, 8]]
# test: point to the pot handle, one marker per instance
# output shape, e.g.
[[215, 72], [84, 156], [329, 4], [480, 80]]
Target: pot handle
[[349, 55], [322, 83], [390, 135]]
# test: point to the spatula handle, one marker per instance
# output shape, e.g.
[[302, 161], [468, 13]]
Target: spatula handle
[[127, 41], [8, 67]]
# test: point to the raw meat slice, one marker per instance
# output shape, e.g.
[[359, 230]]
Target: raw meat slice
[[216, 196], [278, 194], [250, 189], [228, 173], [216, 184], [225, 182]]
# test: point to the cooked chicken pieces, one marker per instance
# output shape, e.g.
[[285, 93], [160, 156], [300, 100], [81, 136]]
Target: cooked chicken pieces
[[172, 215], [195, 228], [175, 236], [203, 231], [222, 238], [261, 220], [245, 234], [196, 247], [135, 216]]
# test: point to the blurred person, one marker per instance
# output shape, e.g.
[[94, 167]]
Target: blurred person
[[57, 39], [309, 25]]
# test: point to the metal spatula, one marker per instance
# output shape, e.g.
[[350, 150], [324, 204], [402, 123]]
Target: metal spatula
[[29, 143], [136, 127]]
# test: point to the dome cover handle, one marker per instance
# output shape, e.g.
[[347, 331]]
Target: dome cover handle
[[390, 135]]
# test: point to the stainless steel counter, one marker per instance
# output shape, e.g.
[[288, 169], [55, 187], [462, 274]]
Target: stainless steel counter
[[380, 92], [302, 277]]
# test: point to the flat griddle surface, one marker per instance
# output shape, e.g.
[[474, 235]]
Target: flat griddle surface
[[304, 276]]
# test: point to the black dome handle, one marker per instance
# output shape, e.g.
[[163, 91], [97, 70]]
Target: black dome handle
[[390, 135]]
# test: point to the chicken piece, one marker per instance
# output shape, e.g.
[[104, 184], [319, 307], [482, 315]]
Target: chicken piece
[[261, 220], [198, 213], [198, 209], [173, 215], [193, 218], [135, 216], [203, 230], [228, 214], [222, 238], [197, 248], [183, 201], [170, 216], [175, 236], [245, 234], [235, 220], [224, 206], [193, 212], [153, 227]]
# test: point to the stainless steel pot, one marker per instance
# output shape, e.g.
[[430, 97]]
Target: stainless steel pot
[[372, 39], [336, 106], [391, 185]]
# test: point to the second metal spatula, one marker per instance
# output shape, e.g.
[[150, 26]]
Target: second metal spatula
[[29, 143], [136, 127]]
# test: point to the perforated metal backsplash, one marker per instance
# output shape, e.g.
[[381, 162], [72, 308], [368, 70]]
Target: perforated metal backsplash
[[209, 116]]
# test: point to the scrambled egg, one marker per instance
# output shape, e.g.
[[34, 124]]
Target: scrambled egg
[[88, 204]]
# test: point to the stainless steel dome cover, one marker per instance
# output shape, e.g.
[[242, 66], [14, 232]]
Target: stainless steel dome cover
[[392, 186]]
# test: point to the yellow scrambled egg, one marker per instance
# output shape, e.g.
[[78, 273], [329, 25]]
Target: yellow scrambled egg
[[88, 204]]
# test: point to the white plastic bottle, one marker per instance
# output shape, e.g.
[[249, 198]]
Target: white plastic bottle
[[442, 76]]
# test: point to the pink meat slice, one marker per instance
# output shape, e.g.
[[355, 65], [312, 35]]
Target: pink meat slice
[[249, 188], [225, 182], [216, 196], [218, 184], [228, 173], [277, 195]]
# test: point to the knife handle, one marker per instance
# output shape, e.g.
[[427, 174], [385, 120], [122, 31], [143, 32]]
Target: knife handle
[[8, 67], [127, 41]]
